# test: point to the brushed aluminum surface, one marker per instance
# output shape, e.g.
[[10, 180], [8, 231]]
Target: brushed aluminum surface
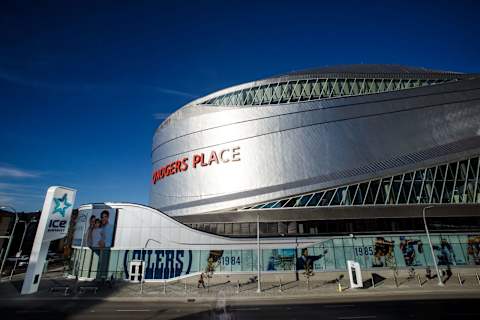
[[285, 147]]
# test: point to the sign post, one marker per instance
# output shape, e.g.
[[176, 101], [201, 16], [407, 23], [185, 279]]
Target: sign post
[[53, 225], [355, 274]]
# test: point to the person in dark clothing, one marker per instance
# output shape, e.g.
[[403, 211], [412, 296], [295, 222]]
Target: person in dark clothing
[[428, 273], [201, 281], [306, 261]]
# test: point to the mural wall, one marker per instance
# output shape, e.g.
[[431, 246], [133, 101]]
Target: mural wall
[[406, 251]]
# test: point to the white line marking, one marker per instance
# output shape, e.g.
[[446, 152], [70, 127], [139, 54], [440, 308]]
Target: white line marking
[[133, 310], [339, 305], [358, 317]]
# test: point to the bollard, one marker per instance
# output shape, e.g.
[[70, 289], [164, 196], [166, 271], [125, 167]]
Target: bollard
[[280, 287], [238, 286], [478, 278], [164, 287], [185, 285], [419, 280], [208, 284], [339, 288], [460, 279], [373, 282], [308, 283]]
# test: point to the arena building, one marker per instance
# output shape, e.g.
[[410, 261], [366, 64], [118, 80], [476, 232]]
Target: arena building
[[337, 164]]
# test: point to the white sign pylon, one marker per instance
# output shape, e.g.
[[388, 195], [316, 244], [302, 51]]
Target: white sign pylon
[[53, 225]]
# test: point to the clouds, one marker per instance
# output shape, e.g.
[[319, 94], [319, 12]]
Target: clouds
[[175, 92], [161, 116], [32, 82], [13, 189], [26, 81], [12, 172]]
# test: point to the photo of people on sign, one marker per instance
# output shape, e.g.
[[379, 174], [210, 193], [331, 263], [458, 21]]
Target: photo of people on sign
[[95, 228]]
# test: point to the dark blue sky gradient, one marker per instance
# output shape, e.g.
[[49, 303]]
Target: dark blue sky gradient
[[84, 84]]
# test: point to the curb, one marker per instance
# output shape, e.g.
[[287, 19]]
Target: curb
[[313, 298]]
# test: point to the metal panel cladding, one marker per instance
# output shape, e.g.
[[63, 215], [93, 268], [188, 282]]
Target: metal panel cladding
[[208, 157]]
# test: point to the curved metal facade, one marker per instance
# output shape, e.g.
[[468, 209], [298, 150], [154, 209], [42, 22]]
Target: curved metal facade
[[272, 151]]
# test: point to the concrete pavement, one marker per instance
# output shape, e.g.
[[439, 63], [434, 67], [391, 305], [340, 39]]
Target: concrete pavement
[[239, 287]]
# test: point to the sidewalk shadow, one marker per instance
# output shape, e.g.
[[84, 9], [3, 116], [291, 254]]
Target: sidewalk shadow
[[219, 284], [374, 281]]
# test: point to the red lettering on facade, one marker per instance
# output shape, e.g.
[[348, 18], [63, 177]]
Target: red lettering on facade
[[213, 158], [203, 164], [184, 164], [196, 160], [181, 165]]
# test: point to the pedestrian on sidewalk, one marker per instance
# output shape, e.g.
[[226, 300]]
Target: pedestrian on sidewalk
[[201, 281], [428, 273]]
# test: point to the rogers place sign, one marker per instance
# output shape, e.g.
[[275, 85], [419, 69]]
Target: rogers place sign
[[197, 161]]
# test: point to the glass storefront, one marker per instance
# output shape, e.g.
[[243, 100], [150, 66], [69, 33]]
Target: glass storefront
[[388, 251]]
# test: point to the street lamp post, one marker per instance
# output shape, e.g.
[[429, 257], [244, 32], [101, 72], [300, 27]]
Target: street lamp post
[[84, 220], [10, 238], [297, 278], [440, 283], [259, 288]]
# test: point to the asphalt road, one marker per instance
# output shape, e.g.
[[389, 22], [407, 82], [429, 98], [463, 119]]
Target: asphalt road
[[81, 309]]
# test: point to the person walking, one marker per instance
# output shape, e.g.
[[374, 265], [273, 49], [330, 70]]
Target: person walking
[[201, 281]]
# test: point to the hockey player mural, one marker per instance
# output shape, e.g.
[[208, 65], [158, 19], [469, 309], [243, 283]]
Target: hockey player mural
[[409, 248], [383, 253]]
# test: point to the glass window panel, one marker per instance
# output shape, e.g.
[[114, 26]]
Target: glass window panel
[[472, 248], [383, 252], [328, 250], [270, 204], [253, 228], [372, 191], [449, 183], [291, 202], [228, 228], [303, 200], [339, 252], [367, 252], [236, 229], [280, 203], [358, 252], [221, 228], [317, 88], [245, 229], [315, 199], [247, 260], [361, 193], [326, 199], [337, 197], [286, 92]]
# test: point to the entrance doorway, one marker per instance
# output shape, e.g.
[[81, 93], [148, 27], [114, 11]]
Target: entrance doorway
[[136, 271]]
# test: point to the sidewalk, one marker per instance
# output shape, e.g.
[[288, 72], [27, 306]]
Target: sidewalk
[[236, 287]]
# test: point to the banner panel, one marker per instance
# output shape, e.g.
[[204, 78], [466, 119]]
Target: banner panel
[[53, 225]]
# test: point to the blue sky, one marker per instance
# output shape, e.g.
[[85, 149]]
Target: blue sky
[[84, 84]]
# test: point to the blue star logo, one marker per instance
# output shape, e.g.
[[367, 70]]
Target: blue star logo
[[61, 204]]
